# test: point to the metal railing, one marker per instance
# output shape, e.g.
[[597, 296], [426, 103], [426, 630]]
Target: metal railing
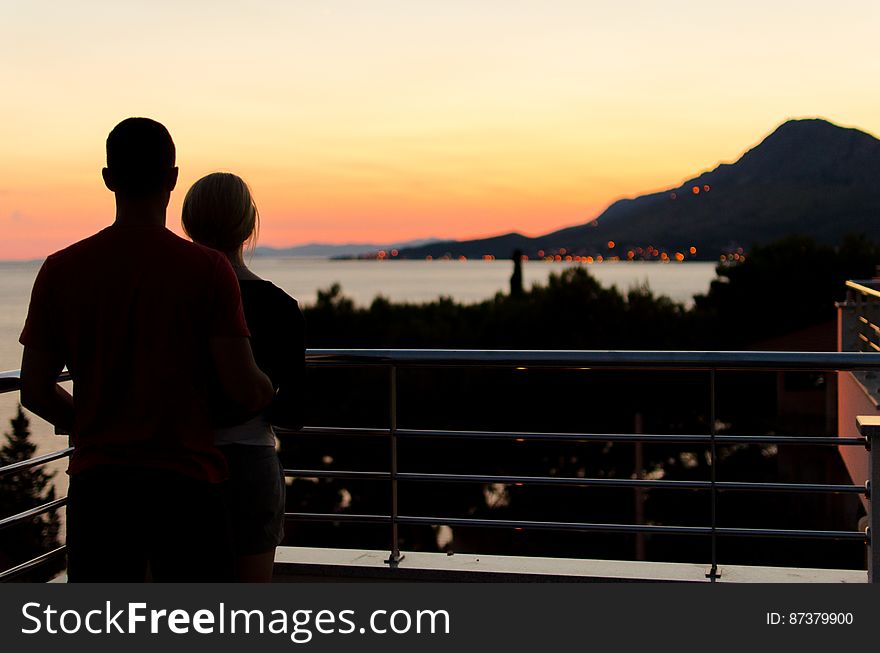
[[710, 362], [861, 316], [11, 382], [860, 328], [27, 515]]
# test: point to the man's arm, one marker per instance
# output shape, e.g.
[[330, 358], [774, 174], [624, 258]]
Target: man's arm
[[40, 392], [242, 381]]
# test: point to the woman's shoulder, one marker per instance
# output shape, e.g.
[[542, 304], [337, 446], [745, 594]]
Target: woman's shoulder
[[269, 295]]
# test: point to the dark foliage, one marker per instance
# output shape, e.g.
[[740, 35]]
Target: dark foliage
[[22, 491], [784, 286]]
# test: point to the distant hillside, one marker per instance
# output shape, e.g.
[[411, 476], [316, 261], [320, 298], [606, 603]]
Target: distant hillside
[[327, 250], [808, 177]]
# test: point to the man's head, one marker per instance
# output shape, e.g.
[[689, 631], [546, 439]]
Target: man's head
[[140, 159]]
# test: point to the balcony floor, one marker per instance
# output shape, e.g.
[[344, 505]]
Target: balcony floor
[[300, 564]]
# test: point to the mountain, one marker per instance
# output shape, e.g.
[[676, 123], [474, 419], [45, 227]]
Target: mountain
[[808, 177], [327, 250]]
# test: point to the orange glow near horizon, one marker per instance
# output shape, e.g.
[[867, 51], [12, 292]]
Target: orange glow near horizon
[[383, 122]]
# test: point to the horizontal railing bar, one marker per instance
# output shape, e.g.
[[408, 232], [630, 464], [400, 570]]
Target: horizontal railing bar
[[333, 517], [628, 437], [10, 381], [33, 462], [869, 324], [575, 437], [583, 437], [623, 359], [633, 528], [868, 342], [325, 473], [334, 431], [628, 359], [737, 486], [33, 512], [860, 286], [31, 564], [582, 527]]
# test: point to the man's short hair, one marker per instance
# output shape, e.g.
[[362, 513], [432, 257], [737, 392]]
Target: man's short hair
[[140, 153]]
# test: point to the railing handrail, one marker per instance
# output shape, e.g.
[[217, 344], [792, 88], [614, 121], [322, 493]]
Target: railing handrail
[[853, 536], [10, 380], [578, 481], [9, 574], [622, 359], [35, 461], [861, 285], [23, 516], [812, 440]]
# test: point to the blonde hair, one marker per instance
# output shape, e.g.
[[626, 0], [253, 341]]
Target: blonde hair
[[219, 212]]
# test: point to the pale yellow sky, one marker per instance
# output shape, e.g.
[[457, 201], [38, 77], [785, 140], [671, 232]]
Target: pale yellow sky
[[379, 121]]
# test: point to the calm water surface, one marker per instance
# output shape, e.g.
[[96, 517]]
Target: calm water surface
[[466, 281]]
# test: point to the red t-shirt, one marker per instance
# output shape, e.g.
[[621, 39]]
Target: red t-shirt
[[131, 310]]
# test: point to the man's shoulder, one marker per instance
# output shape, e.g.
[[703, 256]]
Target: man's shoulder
[[81, 254], [82, 247], [155, 243]]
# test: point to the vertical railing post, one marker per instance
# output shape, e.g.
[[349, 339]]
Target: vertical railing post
[[639, 473], [861, 303], [713, 571], [849, 339], [870, 316], [395, 557], [869, 427]]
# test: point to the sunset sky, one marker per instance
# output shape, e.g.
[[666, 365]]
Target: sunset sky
[[381, 120]]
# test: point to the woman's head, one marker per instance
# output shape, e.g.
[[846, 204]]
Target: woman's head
[[219, 212]]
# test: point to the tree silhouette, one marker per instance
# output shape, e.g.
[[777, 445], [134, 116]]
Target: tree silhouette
[[22, 491], [516, 279]]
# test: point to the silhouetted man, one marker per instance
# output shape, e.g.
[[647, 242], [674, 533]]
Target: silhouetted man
[[146, 323]]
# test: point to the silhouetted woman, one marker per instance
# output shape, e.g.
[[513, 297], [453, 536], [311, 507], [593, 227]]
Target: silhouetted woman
[[220, 213]]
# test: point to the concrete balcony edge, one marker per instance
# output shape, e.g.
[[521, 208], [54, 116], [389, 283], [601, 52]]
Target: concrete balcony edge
[[303, 564]]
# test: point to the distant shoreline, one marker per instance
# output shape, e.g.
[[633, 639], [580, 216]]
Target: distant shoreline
[[348, 259]]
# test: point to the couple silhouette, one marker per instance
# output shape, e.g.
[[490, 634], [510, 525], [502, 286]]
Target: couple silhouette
[[182, 359]]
